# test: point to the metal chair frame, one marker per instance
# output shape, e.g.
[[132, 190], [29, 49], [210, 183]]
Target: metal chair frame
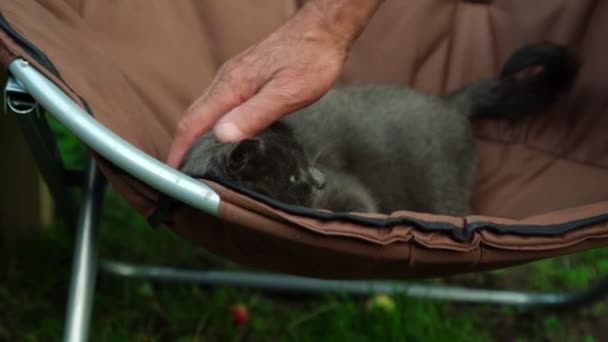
[[28, 91]]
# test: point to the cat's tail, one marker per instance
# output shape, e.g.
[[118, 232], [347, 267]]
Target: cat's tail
[[530, 81]]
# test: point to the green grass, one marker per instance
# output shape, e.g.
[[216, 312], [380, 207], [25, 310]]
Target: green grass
[[34, 289], [34, 281]]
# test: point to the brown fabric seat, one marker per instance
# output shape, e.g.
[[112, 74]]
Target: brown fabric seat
[[138, 64]]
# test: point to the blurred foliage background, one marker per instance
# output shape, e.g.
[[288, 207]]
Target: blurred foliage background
[[34, 282]]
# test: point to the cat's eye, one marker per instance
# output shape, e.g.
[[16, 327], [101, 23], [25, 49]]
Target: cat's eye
[[293, 179]]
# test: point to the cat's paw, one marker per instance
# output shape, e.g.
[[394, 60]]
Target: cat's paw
[[344, 193]]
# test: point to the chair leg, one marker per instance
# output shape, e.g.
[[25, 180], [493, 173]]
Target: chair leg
[[287, 283], [84, 267]]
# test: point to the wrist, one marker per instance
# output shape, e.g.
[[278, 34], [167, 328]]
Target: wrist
[[342, 21]]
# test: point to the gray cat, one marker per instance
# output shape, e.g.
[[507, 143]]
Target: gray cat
[[381, 148]]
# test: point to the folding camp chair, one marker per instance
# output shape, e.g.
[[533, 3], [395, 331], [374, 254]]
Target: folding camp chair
[[43, 92], [403, 245]]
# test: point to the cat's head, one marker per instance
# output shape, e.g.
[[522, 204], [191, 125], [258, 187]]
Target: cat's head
[[275, 164]]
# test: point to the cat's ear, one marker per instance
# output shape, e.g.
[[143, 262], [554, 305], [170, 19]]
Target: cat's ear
[[241, 155]]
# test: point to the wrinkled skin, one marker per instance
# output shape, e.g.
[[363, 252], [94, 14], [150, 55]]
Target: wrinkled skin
[[288, 70]]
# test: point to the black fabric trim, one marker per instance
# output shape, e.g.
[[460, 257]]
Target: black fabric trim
[[455, 232], [28, 47], [42, 58], [45, 62], [38, 56]]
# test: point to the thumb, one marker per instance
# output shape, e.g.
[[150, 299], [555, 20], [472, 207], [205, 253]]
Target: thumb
[[199, 118], [256, 114]]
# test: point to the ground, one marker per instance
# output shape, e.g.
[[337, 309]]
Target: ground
[[34, 282]]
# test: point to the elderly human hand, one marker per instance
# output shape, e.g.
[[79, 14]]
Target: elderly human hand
[[288, 70]]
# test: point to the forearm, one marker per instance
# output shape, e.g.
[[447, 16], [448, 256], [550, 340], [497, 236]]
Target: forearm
[[344, 20]]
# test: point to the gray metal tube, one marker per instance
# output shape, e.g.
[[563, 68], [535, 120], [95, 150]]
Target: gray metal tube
[[84, 267], [105, 142], [287, 283]]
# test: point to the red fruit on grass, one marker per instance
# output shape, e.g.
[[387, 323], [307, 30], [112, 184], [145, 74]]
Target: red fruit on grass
[[240, 314]]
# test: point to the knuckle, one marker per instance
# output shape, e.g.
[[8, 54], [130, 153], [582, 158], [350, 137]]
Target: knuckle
[[237, 82], [229, 73], [294, 85], [236, 70], [223, 90], [295, 93], [248, 60], [183, 126]]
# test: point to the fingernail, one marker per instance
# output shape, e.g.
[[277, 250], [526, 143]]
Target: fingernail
[[228, 132]]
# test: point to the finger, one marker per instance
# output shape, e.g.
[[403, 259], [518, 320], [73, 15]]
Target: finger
[[260, 111], [200, 117]]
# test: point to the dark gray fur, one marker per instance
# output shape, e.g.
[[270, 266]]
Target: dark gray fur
[[381, 148]]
